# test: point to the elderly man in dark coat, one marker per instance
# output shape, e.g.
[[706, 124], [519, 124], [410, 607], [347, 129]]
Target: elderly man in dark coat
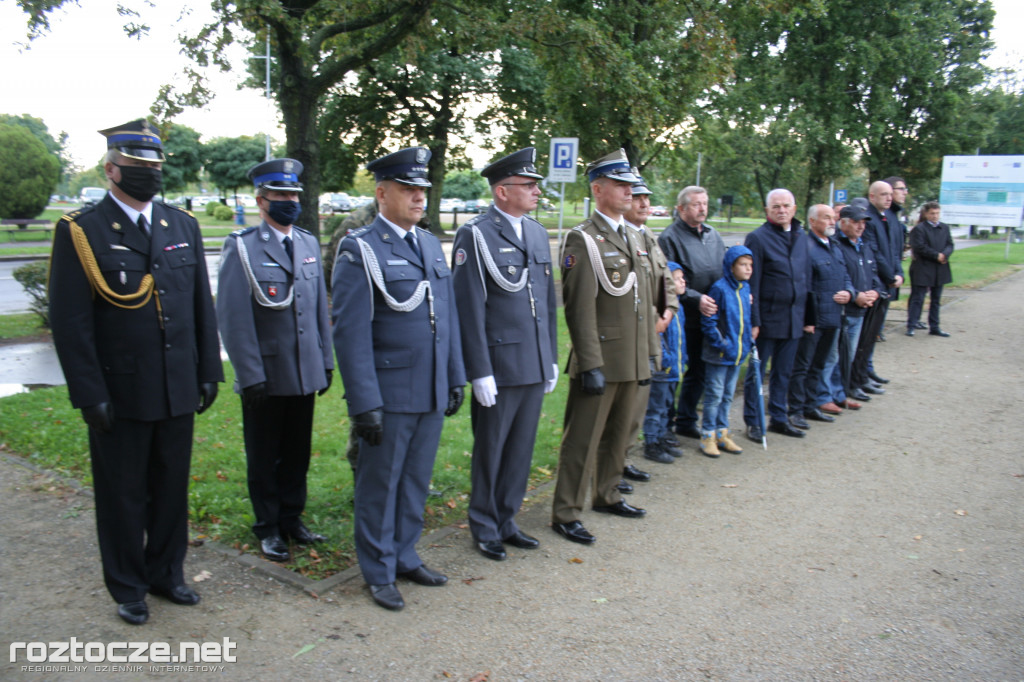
[[932, 245]]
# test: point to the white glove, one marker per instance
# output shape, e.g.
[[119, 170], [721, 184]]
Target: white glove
[[485, 390], [554, 379]]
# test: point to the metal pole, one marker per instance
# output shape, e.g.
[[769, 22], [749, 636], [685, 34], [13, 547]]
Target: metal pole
[[832, 193], [699, 156], [268, 88], [561, 213]]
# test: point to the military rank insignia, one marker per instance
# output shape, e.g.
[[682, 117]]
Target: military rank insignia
[[616, 277], [175, 247], [460, 256]]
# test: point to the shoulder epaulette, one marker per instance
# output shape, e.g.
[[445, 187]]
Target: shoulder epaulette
[[304, 231], [180, 210], [74, 214], [244, 230], [358, 232], [474, 220]]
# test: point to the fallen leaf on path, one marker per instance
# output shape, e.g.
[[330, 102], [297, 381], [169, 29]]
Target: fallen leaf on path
[[600, 600], [961, 512], [203, 575], [470, 581], [575, 560], [481, 677], [728, 485], [304, 650], [918, 537], [462, 526], [451, 504]]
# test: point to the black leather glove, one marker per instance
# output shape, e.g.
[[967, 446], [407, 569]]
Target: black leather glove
[[369, 426], [592, 381], [207, 394], [330, 378], [99, 417], [456, 395], [253, 396]]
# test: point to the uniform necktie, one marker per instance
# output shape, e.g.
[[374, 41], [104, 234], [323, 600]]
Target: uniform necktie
[[413, 245], [143, 227], [287, 242]]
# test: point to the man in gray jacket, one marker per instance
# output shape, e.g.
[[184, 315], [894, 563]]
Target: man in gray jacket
[[276, 327], [699, 249]]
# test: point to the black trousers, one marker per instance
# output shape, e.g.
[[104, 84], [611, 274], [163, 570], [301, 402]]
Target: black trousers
[[916, 304], [810, 361], [693, 380], [873, 320], [278, 436], [140, 478]]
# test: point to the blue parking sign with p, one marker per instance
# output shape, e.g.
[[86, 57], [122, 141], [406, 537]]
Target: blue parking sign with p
[[840, 196], [563, 159]]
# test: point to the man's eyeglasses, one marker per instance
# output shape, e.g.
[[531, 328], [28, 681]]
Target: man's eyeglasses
[[527, 185]]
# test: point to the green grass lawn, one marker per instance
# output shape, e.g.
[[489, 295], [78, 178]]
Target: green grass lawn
[[21, 325], [980, 265], [43, 427]]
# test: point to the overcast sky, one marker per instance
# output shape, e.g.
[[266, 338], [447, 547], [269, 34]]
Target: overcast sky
[[77, 77]]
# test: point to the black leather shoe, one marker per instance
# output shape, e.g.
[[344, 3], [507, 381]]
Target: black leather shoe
[[624, 487], [492, 549], [179, 594], [909, 332], [273, 548], [621, 508], [754, 434], [785, 429], [690, 431], [522, 540], [860, 395], [818, 416], [938, 332], [303, 535], [133, 612], [670, 445], [799, 422], [634, 474], [574, 531], [873, 389], [653, 452], [877, 379], [425, 576], [920, 325], [387, 596]]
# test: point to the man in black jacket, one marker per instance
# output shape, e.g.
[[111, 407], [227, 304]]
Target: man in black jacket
[[699, 249], [932, 245]]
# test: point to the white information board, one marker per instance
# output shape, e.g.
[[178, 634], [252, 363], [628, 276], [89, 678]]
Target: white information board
[[982, 190], [564, 151]]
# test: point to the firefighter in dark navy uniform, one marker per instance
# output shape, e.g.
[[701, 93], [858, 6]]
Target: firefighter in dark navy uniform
[[276, 327], [134, 328], [396, 337], [505, 295]]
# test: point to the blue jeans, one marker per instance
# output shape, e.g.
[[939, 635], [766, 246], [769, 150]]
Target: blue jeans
[[659, 405], [719, 387]]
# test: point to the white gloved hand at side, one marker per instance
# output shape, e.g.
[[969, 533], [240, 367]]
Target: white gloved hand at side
[[554, 380], [485, 391]]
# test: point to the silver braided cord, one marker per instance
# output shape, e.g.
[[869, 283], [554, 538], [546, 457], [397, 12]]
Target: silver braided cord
[[254, 285], [602, 277], [492, 267], [372, 267]]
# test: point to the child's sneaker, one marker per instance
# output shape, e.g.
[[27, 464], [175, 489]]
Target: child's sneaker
[[708, 444], [727, 444]]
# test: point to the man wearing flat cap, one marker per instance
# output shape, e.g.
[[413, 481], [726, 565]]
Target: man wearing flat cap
[[276, 326], [607, 306], [393, 297], [135, 331], [505, 295]]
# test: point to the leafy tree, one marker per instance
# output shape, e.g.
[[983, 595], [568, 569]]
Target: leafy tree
[[465, 185], [28, 173], [228, 159], [38, 128], [184, 155]]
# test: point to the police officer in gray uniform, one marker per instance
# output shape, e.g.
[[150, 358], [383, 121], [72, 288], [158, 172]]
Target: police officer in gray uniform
[[396, 335], [274, 320], [505, 295]]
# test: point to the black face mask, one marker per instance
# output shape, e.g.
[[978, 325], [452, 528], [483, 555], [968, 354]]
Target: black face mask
[[141, 183], [284, 212]]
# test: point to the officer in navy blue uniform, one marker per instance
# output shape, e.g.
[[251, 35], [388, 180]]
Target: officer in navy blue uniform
[[505, 295], [276, 327], [392, 295], [134, 328]]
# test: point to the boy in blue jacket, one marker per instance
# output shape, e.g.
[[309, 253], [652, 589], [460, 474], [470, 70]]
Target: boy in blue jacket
[[663, 383], [727, 341]]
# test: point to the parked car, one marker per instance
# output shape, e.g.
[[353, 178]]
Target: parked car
[[247, 200], [335, 202], [90, 196], [450, 205], [477, 206], [659, 210]]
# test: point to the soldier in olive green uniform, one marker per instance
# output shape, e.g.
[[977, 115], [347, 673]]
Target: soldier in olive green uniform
[[607, 295]]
